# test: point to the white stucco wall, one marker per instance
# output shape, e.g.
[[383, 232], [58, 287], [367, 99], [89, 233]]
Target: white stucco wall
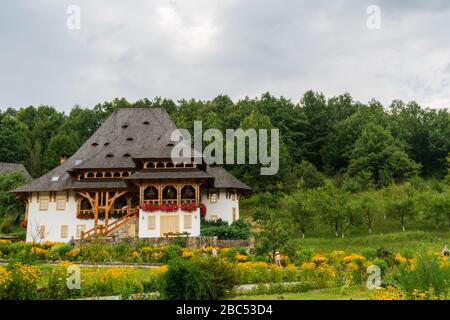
[[144, 232], [223, 208], [53, 219]]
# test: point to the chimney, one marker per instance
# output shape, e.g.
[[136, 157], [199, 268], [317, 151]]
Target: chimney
[[62, 158]]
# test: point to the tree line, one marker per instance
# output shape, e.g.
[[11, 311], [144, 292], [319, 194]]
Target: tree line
[[339, 136]]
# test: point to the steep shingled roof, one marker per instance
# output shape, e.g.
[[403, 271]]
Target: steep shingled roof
[[6, 167], [223, 179], [129, 133]]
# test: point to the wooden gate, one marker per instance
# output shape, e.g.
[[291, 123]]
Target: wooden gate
[[169, 224]]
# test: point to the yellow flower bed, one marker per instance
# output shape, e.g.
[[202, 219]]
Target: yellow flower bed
[[73, 253], [241, 258], [389, 293], [319, 259], [400, 259], [186, 253], [4, 242], [28, 273], [5, 277]]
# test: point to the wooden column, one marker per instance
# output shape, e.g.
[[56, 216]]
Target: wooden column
[[178, 188], [96, 213], [107, 208]]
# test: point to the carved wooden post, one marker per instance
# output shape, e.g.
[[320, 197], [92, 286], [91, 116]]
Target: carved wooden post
[[96, 213], [107, 207]]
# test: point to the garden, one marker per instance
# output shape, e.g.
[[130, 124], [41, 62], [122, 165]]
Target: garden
[[143, 271]]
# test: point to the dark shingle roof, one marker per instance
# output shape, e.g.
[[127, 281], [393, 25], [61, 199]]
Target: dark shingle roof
[[223, 179], [128, 133], [6, 167]]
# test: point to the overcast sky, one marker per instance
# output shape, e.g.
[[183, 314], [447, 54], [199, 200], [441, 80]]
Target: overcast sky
[[199, 49]]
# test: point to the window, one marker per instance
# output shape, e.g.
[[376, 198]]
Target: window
[[42, 231], [213, 217], [213, 198], [151, 223], [80, 228], [43, 204], [233, 196], [234, 214], [188, 221], [64, 231], [60, 203], [55, 178]]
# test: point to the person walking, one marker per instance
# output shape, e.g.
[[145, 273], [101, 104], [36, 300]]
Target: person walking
[[446, 251], [214, 251], [204, 250], [278, 258]]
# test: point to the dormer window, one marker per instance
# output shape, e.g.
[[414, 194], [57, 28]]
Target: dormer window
[[130, 139], [106, 144], [127, 155], [55, 178], [109, 155], [125, 126], [145, 123], [94, 144]]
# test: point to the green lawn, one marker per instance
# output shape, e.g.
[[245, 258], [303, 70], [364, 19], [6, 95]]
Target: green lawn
[[397, 242], [353, 293]]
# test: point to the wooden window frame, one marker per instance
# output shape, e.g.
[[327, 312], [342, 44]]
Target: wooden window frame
[[81, 228], [66, 231], [40, 203], [151, 226], [63, 199], [187, 218], [214, 197]]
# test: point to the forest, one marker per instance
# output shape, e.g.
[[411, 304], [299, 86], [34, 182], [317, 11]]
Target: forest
[[342, 162]]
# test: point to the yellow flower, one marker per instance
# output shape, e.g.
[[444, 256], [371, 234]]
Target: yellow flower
[[5, 277], [291, 267], [389, 293], [5, 241], [160, 269], [157, 255], [186, 253], [308, 266], [319, 259], [73, 253], [337, 255], [135, 254], [412, 264], [400, 259], [27, 273], [241, 257]]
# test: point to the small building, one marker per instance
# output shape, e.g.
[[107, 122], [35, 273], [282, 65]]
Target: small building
[[123, 182], [7, 167]]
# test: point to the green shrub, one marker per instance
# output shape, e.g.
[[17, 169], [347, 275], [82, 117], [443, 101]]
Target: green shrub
[[121, 252], [197, 279], [304, 254], [58, 251], [369, 253], [237, 230], [22, 283], [7, 225], [381, 264], [97, 252], [56, 285], [428, 276]]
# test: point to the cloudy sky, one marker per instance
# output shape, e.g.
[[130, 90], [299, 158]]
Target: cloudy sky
[[202, 48]]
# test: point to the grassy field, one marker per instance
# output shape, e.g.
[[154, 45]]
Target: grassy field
[[353, 293], [395, 241]]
